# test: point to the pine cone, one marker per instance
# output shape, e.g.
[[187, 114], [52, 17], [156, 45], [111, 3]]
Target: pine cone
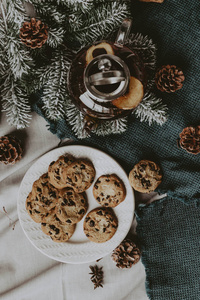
[[97, 276], [126, 254], [169, 79], [10, 150], [34, 34], [190, 139]]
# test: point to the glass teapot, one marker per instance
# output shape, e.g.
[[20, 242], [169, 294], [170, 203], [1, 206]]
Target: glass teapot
[[107, 80]]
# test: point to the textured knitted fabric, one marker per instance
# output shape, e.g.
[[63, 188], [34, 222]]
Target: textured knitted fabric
[[169, 234]]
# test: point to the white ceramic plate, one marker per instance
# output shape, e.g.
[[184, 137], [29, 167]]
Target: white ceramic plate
[[78, 249]]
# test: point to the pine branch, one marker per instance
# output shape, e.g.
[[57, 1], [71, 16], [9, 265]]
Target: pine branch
[[112, 127], [144, 47], [19, 59], [76, 120], [81, 5], [42, 74], [16, 62], [55, 88], [15, 12], [100, 22], [49, 13], [15, 103], [55, 37], [152, 109], [75, 21]]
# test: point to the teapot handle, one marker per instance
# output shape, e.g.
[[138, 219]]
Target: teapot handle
[[123, 33]]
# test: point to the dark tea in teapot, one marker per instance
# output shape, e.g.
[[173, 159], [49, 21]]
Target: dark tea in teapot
[[107, 80]]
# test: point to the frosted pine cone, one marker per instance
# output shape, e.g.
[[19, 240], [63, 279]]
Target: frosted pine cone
[[190, 139], [169, 79], [34, 34], [126, 254], [10, 150]]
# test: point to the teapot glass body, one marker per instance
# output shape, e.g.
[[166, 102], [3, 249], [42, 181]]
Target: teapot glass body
[[107, 80]]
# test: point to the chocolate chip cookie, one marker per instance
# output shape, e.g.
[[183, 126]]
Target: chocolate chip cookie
[[44, 193], [71, 206], [109, 190], [79, 175], [58, 231], [56, 168], [145, 176], [100, 224], [35, 211]]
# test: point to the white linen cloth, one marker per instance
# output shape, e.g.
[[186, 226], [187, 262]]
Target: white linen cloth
[[26, 273]]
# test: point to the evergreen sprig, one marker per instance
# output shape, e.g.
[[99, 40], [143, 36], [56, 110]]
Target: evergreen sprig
[[117, 126], [55, 87], [16, 62], [82, 5], [16, 103], [100, 22], [152, 110], [55, 37], [145, 48], [76, 120], [49, 13]]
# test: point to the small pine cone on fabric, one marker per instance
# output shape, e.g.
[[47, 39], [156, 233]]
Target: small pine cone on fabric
[[34, 33], [126, 254], [190, 139], [169, 78], [10, 150]]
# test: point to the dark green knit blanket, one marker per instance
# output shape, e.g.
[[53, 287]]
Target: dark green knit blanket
[[169, 234]]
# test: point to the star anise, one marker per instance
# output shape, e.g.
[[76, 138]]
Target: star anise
[[97, 276]]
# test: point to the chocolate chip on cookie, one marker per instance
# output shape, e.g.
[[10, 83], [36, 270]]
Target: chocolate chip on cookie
[[56, 169], [100, 224], [79, 175], [71, 206], [145, 176], [44, 193], [109, 190], [58, 231], [35, 211]]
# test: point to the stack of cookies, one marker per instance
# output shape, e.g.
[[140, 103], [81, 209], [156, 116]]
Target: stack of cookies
[[58, 200]]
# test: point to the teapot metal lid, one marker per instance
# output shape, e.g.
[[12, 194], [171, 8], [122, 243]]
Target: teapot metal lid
[[106, 77]]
